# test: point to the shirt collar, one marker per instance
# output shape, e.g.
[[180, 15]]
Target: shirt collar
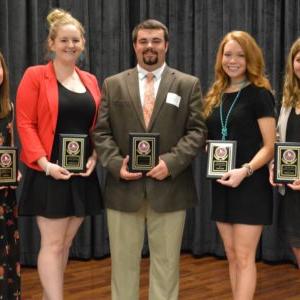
[[157, 73]]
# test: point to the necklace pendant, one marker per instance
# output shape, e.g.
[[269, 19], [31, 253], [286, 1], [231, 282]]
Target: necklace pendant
[[224, 133]]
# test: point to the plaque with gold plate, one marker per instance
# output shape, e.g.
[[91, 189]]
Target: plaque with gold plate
[[286, 162], [8, 166], [73, 152], [143, 151], [221, 157]]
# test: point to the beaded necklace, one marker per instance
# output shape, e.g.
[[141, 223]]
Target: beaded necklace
[[224, 130]]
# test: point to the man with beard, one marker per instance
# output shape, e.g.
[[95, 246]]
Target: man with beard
[[157, 199]]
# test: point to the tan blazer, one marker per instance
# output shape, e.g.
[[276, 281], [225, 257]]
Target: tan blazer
[[182, 133]]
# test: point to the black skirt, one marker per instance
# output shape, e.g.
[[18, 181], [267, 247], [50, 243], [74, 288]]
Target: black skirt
[[45, 196]]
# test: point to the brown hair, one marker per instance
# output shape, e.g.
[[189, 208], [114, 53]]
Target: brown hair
[[150, 24], [5, 105], [255, 68], [291, 87], [60, 17]]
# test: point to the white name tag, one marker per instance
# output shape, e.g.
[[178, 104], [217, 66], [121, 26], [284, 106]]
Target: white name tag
[[173, 99]]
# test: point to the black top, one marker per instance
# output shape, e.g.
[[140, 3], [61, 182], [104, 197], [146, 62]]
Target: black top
[[251, 201], [289, 209], [75, 115]]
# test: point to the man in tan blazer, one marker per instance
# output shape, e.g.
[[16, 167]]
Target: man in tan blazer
[[158, 199]]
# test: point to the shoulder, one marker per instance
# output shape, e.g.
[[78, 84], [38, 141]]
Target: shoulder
[[261, 92], [86, 74], [120, 78], [181, 75], [88, 78], [122, 75], [34, 75], [36, 70]]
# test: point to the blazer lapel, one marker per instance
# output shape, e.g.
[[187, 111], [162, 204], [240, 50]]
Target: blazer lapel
[[52, 92], [89, 85], [133, 90], [167, 78]]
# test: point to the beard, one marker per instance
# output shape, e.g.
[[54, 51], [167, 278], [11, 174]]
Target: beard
[[150, 60]]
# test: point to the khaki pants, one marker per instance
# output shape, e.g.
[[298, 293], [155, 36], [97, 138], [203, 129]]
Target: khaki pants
[[126, 234]]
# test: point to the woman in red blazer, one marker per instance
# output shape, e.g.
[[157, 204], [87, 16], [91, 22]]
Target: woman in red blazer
[[55, 99]]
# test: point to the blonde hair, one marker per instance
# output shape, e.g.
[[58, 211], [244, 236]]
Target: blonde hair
[[60, 17], [5, 106], [255, 68], [291, 87]]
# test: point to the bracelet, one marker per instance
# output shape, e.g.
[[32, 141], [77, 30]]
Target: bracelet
[[47, 170], [249, 169]]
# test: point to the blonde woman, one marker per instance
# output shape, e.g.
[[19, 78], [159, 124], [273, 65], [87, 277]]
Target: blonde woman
[[288, 130], [240, 106], [57, 98]]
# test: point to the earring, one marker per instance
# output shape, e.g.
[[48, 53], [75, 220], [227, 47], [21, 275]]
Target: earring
[[81, 57], [51, 55]]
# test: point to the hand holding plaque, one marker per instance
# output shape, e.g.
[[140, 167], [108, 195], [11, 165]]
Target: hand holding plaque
[[8, 166], [73, 152], [286, 162], [143, 151], [221, 158]]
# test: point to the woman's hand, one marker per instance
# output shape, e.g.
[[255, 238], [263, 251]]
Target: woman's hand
[[53, 170], [234, 177], [57, 172], [271, 175], [295, 185], [90, 166], [19, 176]]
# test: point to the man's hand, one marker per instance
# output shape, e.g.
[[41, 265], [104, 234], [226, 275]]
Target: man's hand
[[159, 172], [124, 174]]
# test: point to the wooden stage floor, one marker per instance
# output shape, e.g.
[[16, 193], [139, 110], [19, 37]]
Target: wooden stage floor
[[201, 279]]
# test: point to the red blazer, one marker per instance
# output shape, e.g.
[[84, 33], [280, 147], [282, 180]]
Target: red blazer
[[37, 110]]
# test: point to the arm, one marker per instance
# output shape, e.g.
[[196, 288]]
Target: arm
[[105, 145], [234, 177], [26, 116], [28, 100], [181, 156]]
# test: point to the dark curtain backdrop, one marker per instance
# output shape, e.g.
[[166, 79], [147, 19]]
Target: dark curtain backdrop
[[196, 28]]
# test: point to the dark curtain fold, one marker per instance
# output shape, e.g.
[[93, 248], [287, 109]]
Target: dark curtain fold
[[196, 28]]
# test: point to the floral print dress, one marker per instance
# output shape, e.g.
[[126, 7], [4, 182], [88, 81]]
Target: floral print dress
[[9, 235]]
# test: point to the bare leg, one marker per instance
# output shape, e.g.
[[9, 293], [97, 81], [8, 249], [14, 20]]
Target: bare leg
[[296, 252], [51, 256], [226, 232], [73, 226], [246, 238]]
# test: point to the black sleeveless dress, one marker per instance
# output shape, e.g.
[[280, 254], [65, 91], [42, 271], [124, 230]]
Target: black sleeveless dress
[[9, 235], [289, 205], [79, 196]]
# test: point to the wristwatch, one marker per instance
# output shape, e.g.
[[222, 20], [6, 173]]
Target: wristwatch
[[249, 169]]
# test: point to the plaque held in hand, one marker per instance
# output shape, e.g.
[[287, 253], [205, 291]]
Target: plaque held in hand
[[8, 166], [286, 162], [143, 151], [221, 157], [73, 152]]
